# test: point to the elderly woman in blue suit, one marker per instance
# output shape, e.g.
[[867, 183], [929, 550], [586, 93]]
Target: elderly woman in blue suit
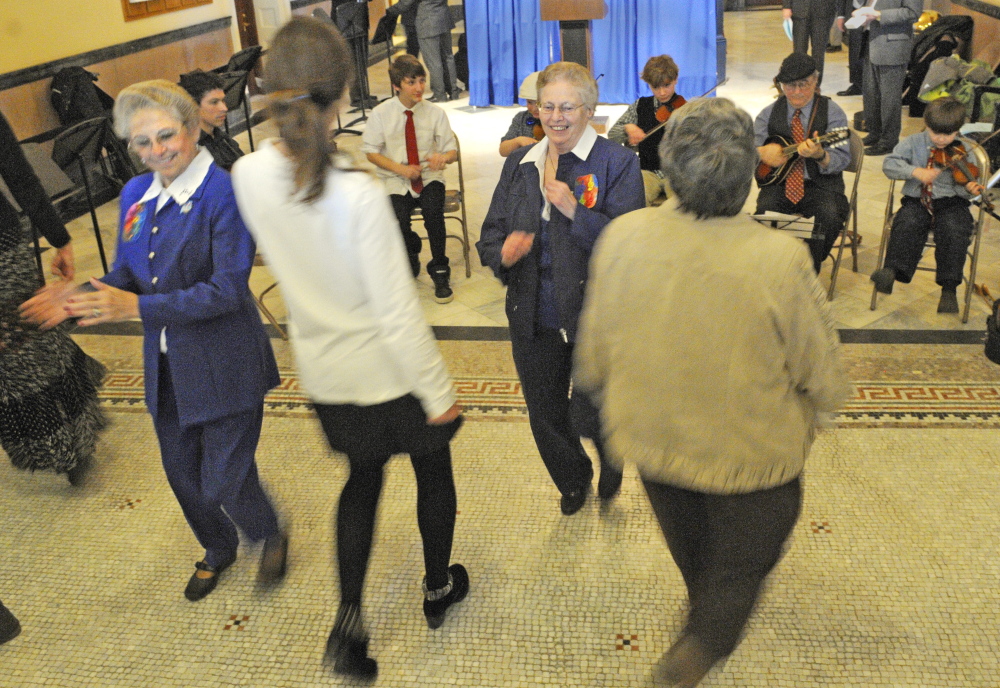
[[182, 265]]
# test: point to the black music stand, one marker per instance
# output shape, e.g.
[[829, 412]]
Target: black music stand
[[351, 19]]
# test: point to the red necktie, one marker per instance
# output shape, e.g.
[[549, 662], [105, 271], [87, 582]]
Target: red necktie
[[795, 184], [926, 196], [412, 155]]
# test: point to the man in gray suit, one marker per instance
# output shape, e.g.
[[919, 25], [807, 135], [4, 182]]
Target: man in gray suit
[[811, 22], [890, 41], [434, 25]]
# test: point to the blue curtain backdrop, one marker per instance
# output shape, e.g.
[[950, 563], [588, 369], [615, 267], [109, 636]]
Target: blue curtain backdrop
[[507, 41]]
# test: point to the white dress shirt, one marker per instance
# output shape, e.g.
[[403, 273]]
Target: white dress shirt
[[385, 133], [540, 150]]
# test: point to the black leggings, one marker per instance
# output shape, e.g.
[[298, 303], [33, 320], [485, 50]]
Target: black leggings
[[436, 500]]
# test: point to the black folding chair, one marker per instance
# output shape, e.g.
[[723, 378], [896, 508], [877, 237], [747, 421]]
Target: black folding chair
[[83, 146], [234, 85]]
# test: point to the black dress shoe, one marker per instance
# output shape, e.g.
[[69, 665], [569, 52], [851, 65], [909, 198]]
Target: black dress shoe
[[870, 140], [948, 302], [851, 90], [833, 48], [199, 588], [877, 150], [609, 483], [573, 500], [10, 627], [454, 592], [273, 560]]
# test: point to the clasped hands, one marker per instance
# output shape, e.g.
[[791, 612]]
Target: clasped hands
[[518, 243], [55, 302]]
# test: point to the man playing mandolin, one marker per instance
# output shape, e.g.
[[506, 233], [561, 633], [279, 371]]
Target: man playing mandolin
[[812, 184], [641, 126]]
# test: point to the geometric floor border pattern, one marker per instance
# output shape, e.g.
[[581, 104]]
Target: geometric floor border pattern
[[877, 404]]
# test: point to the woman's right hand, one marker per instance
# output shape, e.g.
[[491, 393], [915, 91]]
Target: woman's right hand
[[515, 247], [47, 307], [446, 417]]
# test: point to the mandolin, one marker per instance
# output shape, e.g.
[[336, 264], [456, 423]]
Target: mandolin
[[767, 175]]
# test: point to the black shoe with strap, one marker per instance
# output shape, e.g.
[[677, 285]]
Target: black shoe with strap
[[198, 588], [437, 602]]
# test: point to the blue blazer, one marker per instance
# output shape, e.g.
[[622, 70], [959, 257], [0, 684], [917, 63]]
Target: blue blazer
[[190, 266], [614, 188]]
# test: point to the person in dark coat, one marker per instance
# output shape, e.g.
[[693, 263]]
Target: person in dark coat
[[552, 202], [206, 89], [811, 22], [49, 413]]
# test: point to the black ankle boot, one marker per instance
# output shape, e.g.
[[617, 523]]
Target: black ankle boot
[[347, 646], [436, 602]]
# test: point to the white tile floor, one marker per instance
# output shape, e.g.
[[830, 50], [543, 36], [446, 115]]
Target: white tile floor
[[890, 579]]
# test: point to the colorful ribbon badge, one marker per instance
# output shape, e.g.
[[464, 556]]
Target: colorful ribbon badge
[[135, 218], [586, 190]]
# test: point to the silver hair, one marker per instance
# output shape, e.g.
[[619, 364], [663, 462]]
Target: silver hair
[[709, 156], [576, 75], [158, 94]]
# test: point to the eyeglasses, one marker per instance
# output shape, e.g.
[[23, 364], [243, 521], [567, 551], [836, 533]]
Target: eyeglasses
[[565, 108], [141, 144], [800, 85]]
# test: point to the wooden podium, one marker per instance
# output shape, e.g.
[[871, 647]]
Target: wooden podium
[[574, 17]]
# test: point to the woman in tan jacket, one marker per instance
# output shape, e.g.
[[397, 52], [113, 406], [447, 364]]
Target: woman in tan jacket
[[706, 342]]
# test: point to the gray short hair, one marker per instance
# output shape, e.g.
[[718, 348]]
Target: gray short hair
[[158, 94], [709, 156], [576, 75]]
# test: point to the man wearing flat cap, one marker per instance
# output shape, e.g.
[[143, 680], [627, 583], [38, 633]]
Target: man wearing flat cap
[[814, 183]]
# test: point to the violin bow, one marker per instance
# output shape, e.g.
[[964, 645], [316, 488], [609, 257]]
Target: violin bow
[[664, 122]]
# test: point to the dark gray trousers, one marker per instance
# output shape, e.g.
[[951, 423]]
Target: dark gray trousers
[[883, 101], [724, 545]]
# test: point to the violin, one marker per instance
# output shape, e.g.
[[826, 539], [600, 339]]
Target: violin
[[664, 111], [953, 158], [537, 130]]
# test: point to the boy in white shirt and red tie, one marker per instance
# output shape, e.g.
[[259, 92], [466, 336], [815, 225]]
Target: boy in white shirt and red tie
[[411, 142]]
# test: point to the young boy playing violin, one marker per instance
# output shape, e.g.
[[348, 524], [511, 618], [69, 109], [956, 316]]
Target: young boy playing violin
[[632, 128], [526, 127], [940, 180]]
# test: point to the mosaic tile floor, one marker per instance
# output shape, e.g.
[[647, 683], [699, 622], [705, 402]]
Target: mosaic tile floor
[[890, 579]]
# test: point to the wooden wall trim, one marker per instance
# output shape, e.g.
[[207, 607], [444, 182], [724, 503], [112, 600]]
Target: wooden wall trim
[[29, 74]]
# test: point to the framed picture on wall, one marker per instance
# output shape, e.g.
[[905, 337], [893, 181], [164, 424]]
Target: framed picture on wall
[[140, 9]]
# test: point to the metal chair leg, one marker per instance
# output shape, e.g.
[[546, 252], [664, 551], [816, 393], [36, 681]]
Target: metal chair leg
[[93, 215]]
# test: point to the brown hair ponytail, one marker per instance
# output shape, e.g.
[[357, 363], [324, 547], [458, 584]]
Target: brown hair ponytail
[[308, 69]]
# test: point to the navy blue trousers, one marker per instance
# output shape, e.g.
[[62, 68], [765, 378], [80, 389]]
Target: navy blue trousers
[[213, 472], [544, 364]]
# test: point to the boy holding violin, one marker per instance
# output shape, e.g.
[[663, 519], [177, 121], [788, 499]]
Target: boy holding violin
[[526, 127], [635, 127], [940, 180]]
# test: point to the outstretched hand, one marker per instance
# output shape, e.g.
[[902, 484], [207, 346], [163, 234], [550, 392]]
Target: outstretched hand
[[47, 308]]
